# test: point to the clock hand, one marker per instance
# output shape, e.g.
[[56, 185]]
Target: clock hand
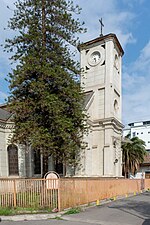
[[95, 59]]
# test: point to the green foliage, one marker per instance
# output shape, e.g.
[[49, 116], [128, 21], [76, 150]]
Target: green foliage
[[133, 151], [46, 97], [58, 218], [8, 211], [73, 211]]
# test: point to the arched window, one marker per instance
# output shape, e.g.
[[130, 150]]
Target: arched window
[[116, 106], [13, 160], [37, 161]]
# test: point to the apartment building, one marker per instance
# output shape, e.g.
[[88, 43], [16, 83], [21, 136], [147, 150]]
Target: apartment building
[[141, 130]]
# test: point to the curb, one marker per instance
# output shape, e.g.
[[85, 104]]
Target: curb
[[27, 217]]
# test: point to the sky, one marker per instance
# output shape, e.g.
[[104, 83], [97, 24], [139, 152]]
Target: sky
[[129, 20]]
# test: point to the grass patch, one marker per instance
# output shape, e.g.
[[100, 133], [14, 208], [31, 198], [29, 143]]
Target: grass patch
[[58, 218], [7, 211], [73, 211]]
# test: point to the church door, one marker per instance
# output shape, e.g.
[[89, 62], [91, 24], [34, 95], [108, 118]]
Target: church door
[[13, 160]]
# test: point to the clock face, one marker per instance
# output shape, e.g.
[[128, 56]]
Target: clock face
[[94, 58]]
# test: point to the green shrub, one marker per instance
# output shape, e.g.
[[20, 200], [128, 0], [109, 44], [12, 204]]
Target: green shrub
[[73, 211]]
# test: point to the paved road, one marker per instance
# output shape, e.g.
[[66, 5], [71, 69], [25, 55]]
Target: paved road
[[130, 211]]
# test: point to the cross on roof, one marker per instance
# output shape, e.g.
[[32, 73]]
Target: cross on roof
[[102, 25]]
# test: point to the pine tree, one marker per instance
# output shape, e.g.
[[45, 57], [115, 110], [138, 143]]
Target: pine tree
[[45, 94]]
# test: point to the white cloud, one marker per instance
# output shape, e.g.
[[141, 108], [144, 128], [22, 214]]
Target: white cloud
[[132, 3], [143, 61], [3, 96], [115, 20], [136, 87], [136, 107], [130, 80]]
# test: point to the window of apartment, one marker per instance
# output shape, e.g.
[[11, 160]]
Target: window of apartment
[[148, 132], [148, 141], [137, 133], [134, 134], [141, 132]]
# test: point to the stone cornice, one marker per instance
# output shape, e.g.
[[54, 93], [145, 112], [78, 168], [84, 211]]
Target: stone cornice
[[6, 125], [102, 39], [114, 121], [106, 123]]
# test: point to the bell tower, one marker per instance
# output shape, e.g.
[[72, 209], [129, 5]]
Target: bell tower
[[101, 60]]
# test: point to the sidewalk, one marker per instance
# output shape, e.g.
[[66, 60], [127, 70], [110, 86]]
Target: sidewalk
[[122, 210], [31, 217], [43, 216]]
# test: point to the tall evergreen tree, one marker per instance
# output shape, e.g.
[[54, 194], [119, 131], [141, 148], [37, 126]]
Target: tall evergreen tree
[[45, 95]]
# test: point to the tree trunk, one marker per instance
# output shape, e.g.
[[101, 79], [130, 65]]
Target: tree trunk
[[43, 23]]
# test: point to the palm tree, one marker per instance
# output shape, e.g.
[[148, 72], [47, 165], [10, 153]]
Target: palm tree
[[133, 151]]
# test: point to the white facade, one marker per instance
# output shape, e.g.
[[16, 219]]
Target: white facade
[[15, 160], [101, 80], [101, 65], [141, 130], [18, 160]]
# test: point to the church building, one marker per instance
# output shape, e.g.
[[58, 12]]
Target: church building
[[15, 160], [101, 61]]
